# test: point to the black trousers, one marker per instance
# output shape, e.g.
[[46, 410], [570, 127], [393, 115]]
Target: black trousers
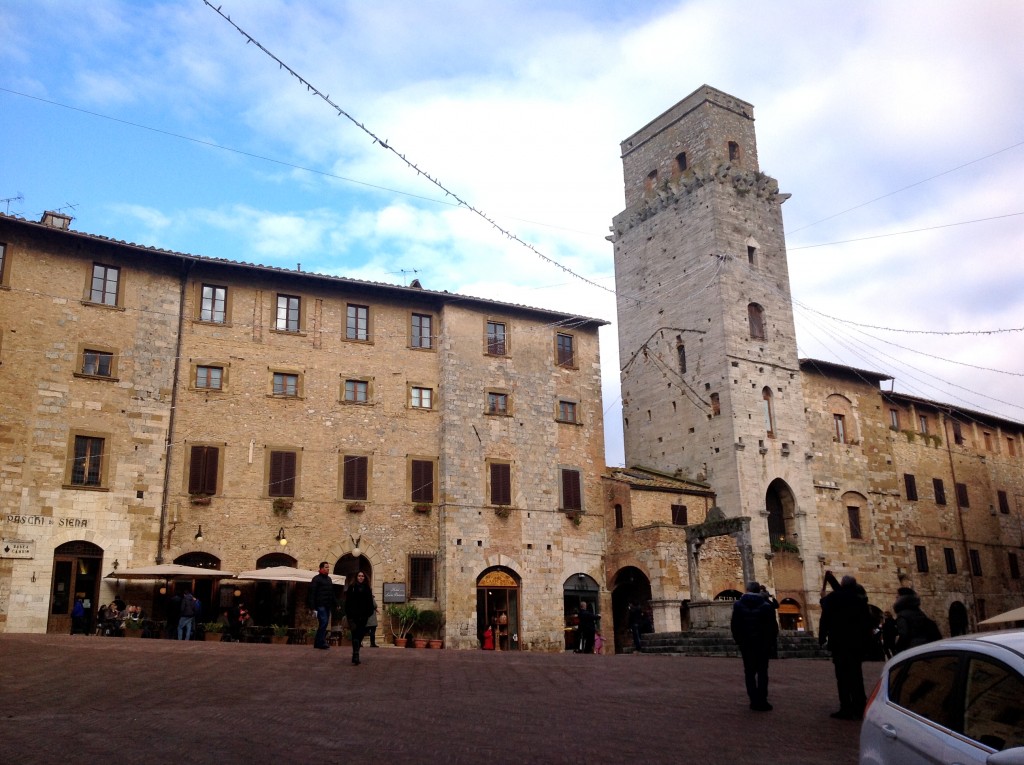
[[755, 673], [358, 633], [850, 684]]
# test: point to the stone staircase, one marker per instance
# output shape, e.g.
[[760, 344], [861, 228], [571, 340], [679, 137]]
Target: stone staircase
[[712, 642]]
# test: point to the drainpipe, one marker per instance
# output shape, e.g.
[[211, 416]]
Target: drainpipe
[[960, 526], [174, 400]]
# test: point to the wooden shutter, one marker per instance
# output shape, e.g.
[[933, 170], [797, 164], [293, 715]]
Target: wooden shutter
[[202, 471], [501, 484], [282, 474], [355, 478], [422, 481], [571, 497]]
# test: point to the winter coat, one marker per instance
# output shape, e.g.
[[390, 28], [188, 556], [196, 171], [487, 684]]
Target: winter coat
[[321, 593], [753, 623], [913, 628], [358, 603], [846, 623]]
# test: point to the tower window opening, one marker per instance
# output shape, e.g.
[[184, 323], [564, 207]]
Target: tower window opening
[[734, 151]]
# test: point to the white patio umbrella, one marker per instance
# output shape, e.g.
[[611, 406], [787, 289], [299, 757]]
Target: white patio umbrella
[[285, 574], [1016, 615], [169, 571]]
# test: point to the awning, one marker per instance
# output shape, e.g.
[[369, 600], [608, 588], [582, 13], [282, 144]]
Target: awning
[[1016, 615], [169, 571], [285, 574]]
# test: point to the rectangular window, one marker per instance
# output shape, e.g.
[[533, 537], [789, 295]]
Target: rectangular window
[[619, 522], [421, 577], [87, 466], [911, 484], [289, 312], [940, 491], [213, 306], [1004, 502], [853, 514], [1011, 449], [961, 495], [950, 560], [3, 262], [421, 398], [566, 411], [355, 477], [501, 483], [679, 515], [421, 331], [975, 562], [496, 338], [958, 434], [1014, 566], [202, 470], [565, 355], [283, 467], [497, 403], [357, 322], [716, 405], [209, 377], [840, 423], [104, 284], [987, 438], [357, 391], [422, 489], [894, 419], [681, 357], [923, 424], [97, 363], [286, 384], [921, 553], [572, 490]]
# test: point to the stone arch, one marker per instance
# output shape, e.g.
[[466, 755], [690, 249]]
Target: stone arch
[[780, 504], [340, 549], [728, 595], [958, 619], [791, 614], [844, 426], [855, 507]]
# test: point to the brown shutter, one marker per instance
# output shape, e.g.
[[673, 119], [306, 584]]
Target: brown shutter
[[571, 499], [501, 484], [282, 474], [422, 481], [202, 471], [355, 478]]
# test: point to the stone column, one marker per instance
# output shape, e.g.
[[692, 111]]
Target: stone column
[[666, 616], [692, 551]]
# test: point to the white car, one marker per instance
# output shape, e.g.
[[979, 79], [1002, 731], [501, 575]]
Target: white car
[[958, 701]]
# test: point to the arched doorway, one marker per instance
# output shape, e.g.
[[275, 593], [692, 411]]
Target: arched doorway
[[497, 608], [790, 615], [780, 504], [202, 588], [274, 602], [631, 586], [76, 573], [577, 589], [958, 621], [348, 566]]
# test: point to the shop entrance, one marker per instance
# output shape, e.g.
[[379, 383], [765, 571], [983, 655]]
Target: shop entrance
[[76, 573], [578, 588], [497, 610], [631, 586]]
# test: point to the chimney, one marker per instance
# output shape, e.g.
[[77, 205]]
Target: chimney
[[56, 220]]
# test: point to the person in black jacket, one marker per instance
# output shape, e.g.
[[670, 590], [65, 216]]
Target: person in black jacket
[[846, 626], [358, 607], [913, 628], [321, 600], [756, 632]]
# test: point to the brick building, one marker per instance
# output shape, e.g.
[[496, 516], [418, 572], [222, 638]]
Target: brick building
[[832, 472], [231, 416]]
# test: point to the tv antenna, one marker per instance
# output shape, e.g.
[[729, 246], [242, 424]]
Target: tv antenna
[[8, 200]]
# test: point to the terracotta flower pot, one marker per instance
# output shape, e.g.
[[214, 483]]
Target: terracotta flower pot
[[435, 643], [400, 642], [419, 642]]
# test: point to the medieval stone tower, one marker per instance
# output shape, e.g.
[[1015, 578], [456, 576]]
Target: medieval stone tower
[[711, 386]]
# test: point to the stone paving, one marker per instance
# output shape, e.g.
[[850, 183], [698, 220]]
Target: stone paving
[[78, 699]]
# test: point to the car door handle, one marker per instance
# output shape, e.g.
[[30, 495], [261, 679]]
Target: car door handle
[[888, 731]]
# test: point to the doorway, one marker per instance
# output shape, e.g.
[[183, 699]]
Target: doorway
[[577, 589], [631, 586], [76, 573], [497, 609]]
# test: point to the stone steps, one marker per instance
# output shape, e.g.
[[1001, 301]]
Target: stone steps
[[792, 645]]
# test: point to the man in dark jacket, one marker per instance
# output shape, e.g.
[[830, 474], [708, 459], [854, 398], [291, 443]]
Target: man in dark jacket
[[913, 628], [846, 627], [321, 600], [358, 607], [755, 631]]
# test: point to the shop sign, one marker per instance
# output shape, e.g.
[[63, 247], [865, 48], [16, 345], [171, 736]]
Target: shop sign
[[10, 548], [394, 592]]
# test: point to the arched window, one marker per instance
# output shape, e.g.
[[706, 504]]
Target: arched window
[[755, 317], [651, 182], [716, 405], [769, 411], [734, 151], [681, 163]]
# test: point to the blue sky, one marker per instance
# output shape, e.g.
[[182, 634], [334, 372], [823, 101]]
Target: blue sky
[[519, 107]]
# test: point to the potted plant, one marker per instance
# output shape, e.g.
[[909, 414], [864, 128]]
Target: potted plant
[[429, 623], [132, 628], [282, 505], [576, 516], [200, 499], [422, 507], [503, 511], [356, 507], [280, 634], [401, 618], [212, 631]]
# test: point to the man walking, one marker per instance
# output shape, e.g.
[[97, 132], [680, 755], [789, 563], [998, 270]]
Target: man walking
[[755, 631], [846, 626], [321, 600], [187, 619]]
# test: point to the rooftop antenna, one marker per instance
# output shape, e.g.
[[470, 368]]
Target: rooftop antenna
[[67, 206], [405, 271], [8, 200]]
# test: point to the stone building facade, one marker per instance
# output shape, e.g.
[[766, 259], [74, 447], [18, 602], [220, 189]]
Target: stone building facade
[[814, 454], [233, 416]]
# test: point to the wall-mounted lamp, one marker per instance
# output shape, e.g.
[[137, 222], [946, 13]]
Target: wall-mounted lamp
[[199, 534], [356, 552], [116, 564], [163, 590], [238, 593], [33, 576], [281, 539]]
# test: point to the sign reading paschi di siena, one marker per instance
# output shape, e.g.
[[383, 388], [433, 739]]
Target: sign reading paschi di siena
[[45, 520]]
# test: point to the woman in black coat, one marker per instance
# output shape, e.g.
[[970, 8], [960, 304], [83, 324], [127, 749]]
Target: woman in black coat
[[358, 607]]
